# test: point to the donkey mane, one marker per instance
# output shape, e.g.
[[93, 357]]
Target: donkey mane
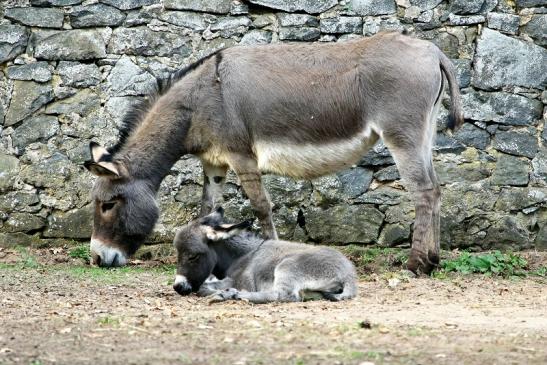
[[134, 116]]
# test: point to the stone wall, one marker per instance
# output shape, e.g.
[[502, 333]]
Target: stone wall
[[70, 68]]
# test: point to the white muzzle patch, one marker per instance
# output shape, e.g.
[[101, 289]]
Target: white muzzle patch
[[110, 256], [180, 279]]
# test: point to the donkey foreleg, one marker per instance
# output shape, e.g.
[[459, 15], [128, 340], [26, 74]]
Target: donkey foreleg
[[250, 178], [223, 295], [284, 288], [212, 287], [213, 185], [256, 297]]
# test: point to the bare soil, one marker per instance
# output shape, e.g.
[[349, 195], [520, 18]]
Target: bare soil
[[56, 310]]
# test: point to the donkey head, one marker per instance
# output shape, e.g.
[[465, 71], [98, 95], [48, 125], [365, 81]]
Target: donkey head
[[125, 209], [196, 258]]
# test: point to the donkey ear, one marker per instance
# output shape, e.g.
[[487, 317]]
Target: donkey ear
[[103, 168], [225, 231], [101, 162], [98, 152]]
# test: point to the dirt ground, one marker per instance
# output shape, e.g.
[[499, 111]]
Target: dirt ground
[[56, 310]]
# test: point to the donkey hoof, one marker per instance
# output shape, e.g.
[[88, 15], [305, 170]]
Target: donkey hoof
[[433, 258], [420, 263], [231, 293]]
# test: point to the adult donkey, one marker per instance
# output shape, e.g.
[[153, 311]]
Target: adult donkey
[[299, 110]]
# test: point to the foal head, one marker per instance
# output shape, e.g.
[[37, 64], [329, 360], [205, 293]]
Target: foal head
[[196, 258]]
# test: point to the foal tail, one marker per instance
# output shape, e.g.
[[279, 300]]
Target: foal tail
[[455, 118], [349, 291]]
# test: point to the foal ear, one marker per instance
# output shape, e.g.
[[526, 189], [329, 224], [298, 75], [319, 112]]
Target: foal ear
[[101, 163], [225, 231], [214, 218]]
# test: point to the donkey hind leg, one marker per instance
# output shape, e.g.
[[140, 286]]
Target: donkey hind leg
[[295, 282], [213, 184], [285, 291], [348, 290], [415, 165], [249, 175], [280, 292], [424, 255]]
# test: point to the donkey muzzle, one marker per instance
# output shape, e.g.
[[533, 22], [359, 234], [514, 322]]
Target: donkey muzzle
[[106, 256], [181, 285]]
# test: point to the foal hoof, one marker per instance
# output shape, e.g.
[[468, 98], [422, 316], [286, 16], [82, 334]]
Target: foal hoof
[[223, 295], [420, 263], [215, 298]]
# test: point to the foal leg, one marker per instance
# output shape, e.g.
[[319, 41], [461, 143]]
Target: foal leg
[[288, 277], [213, 184], [416, 168], [269, 296], [281, 292], [247, 170], [211, 288]]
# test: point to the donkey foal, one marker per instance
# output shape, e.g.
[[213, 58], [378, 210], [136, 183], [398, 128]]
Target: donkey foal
[[254, 269]]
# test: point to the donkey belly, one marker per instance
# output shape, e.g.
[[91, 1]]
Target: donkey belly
[[311, 160]]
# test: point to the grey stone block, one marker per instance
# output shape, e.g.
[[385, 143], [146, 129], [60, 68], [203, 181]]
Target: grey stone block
[[501, 61], [36, 17]]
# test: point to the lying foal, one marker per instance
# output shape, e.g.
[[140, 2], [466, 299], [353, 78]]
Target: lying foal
[[254, 269]]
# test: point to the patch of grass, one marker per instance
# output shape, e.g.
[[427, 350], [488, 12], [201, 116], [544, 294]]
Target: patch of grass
[[80, 252], [110, 275], [439, 274], [356, 355], [167, 269], [495, 264], [540, 271], [28, 260], [375, 355], [415, 331], [109, 321], [344, 328], [184, 359], [352, 354], [369, 259], [114, 275]]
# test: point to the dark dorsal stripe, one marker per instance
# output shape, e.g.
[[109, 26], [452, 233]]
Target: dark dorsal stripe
[[136, 113]]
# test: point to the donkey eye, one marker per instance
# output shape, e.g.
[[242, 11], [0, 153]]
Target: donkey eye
[[107, 206], [194, 257]]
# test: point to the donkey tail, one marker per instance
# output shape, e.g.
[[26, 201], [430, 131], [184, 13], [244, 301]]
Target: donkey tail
[[455, 118], [349, 291]]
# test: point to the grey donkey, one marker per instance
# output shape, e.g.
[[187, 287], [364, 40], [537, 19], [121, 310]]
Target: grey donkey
[[299, 110], [256, 269]]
